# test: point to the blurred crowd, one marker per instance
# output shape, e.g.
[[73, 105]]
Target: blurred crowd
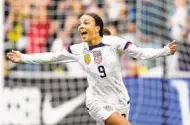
[[35, 26]]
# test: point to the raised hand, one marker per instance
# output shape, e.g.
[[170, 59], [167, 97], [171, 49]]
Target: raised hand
[[14, 56], [173, 47]]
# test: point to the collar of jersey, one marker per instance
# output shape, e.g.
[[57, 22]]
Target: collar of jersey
[[96, 46]]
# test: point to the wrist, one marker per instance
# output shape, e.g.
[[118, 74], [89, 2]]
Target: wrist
[[167, 50]]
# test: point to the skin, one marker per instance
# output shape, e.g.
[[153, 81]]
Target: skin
[[116, 119], [92, 37], [87, 24]]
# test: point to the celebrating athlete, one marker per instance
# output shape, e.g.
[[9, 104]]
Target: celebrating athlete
[[107, 98]]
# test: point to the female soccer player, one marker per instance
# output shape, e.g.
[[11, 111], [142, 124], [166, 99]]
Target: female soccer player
[[107, 98]]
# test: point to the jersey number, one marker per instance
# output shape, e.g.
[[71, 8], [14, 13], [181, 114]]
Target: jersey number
[[102, 70]]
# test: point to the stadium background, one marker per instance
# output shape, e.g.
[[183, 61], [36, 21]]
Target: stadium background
[[54, 94]]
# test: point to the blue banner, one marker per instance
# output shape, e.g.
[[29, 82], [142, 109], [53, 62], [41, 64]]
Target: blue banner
[[155, 104]]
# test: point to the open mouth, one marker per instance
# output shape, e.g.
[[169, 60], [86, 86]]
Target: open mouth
[[83, 33]]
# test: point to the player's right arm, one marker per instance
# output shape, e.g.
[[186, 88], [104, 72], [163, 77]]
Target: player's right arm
[[41, 58]]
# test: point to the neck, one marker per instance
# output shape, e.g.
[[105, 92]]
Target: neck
[[95, 41]]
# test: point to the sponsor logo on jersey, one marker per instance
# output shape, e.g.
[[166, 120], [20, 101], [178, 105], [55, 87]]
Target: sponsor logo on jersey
[[87, 58], [97, 57]]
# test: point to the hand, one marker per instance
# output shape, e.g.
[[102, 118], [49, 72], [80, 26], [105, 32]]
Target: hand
[[173, 47], [14, 56]]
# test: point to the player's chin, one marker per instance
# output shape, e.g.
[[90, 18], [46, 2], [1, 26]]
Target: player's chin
[[84, 39]]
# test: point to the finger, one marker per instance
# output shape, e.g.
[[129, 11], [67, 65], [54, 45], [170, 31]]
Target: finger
[[9, 54], [13, 51], [172, 43], [10, 57]]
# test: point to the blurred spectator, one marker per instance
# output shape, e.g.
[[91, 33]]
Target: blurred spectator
[[38, 33], [113, 30], [77, 7], [116, 9], [16, 22], [130, 33], [6, 8], [178, 24], [93, 7], [50, 25], [186, 31], [184, 48], [57, 12], [15, 30], [132, 68], [62, 41]]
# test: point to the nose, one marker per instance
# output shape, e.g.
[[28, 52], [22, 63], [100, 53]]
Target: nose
[[81, 26]]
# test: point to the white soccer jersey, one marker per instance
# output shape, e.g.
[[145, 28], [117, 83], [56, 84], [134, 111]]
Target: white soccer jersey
[[103, 71], [102, 66]]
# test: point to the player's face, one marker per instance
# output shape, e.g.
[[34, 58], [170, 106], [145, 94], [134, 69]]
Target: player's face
[[87, 28]]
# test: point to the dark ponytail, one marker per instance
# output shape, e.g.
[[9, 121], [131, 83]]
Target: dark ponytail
[[106, 32]]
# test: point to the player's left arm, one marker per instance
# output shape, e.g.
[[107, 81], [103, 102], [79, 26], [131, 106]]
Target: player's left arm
[[150, 53], [127, 47]]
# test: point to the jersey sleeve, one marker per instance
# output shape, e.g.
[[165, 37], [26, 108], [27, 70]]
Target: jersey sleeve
[[49, 57], [127, 47], [147, 53]]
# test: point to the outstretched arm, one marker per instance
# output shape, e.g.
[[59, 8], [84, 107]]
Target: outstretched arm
[[150, 53], [41, 58]]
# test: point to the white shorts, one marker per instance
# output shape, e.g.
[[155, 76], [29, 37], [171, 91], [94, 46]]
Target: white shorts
[[100, 111]]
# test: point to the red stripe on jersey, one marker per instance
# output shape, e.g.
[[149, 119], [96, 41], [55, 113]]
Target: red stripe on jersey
[[104, 121]]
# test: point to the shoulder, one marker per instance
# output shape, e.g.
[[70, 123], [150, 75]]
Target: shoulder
[[112, 40], [115, 41], [76, 48], [107, 38]]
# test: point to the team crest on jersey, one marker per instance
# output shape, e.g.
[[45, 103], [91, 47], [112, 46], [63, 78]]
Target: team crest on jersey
[[108, 108], [87, 58], [97, 57]]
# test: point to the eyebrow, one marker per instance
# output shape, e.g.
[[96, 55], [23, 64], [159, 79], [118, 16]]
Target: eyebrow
[[85, 20]]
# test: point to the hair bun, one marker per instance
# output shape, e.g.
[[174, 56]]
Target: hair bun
[[106, 32]]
